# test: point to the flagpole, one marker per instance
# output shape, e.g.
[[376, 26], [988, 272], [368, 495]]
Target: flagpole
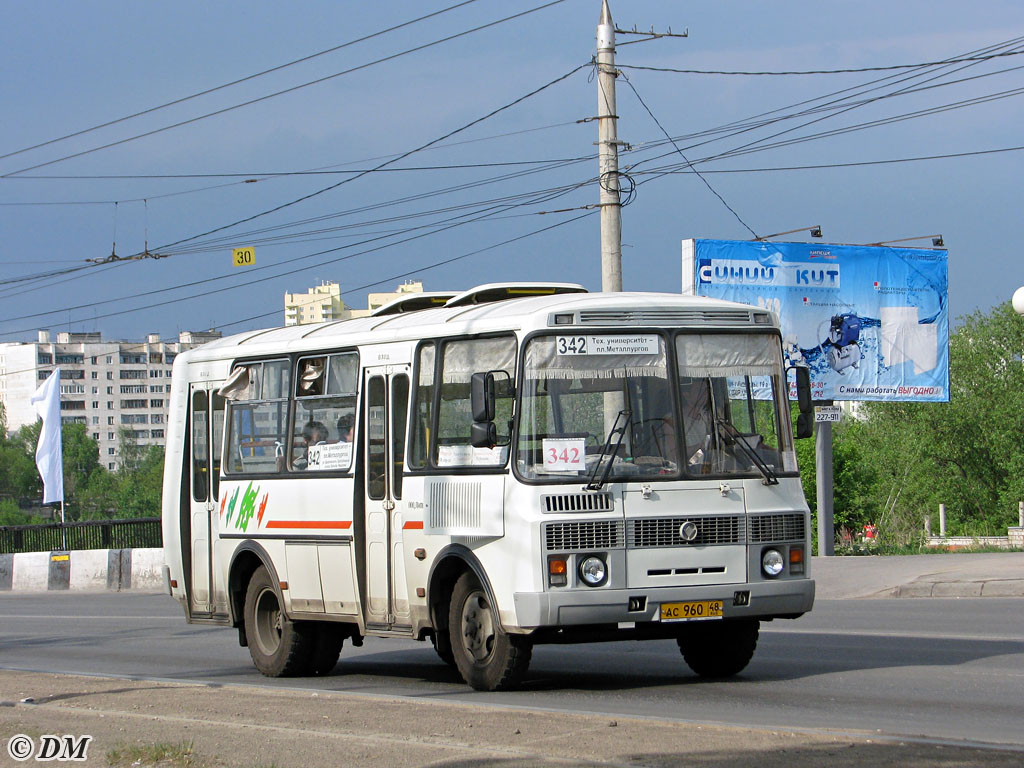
[[63, 532]]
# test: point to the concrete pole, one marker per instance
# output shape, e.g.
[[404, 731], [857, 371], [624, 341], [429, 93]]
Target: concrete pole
[[1020, 514], [823, 461], [608, 155], [942, 520]]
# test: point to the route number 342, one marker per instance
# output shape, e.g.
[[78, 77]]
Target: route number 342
[[572, 345]]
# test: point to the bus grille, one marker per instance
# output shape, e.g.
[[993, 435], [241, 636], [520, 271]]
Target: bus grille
[[664, 316], [590, 534], [787, 527], [664, 531], [579, 502]]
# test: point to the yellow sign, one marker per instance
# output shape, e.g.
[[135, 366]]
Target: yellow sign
[[243, 257]]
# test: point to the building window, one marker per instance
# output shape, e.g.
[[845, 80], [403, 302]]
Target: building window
[[95, 405], [96, 420], [109, 359], [45, 358], [110, 421], [72, 405], [156, 403], [156, 373], [95, 374], [132, 373], [157, 418], [111, 466], [110, 451], [110, 435], [158, 433], [110, 375], [110, 405], [110, 390], [133, 418], [95, 390], [96, 436]]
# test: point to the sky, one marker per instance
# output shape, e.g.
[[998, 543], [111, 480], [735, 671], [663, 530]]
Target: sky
[[453, 164]]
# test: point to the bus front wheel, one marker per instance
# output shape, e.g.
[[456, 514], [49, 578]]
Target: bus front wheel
[[719, 648], [487, 657], [279, 647]]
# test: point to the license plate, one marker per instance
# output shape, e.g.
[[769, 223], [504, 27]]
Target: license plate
[[698, 610]]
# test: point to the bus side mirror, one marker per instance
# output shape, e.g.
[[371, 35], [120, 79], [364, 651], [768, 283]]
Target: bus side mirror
[[481, 397], [805, 421], [483, 434]]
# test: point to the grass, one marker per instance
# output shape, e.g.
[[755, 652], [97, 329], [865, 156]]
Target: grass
[[161, 755]]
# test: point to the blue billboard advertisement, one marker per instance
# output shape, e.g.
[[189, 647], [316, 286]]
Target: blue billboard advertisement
[[871, 322]]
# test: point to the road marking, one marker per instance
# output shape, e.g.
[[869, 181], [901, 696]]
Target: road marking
[[892, 633]]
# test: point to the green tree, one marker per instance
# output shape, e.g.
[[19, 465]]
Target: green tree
[[966, 453], [139, 478]]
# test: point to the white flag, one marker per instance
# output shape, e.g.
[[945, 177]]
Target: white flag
[[49, 455]]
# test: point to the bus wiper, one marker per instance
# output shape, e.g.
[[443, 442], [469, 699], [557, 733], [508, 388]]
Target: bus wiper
[[769, 475], [606, 450]]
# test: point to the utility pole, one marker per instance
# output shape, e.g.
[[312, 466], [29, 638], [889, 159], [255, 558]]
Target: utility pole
[[608, 155]]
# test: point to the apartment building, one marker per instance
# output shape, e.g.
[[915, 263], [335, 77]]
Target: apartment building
[[323, 303], [105, 385]]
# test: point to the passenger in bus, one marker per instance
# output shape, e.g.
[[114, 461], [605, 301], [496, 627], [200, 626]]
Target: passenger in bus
[[346, 423], [313, 433]]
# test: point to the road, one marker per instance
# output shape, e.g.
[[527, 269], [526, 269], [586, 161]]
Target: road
[[940, 669]]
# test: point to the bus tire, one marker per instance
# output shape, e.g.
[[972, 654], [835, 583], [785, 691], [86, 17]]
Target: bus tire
[[486, 656], [719, 648], [442, 642], [279, 647], [327, 643]]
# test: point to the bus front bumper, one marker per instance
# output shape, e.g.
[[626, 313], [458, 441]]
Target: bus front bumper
[[764, 600]]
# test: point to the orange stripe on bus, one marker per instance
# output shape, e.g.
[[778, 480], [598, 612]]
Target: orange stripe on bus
[[309, 524], [413, 525]]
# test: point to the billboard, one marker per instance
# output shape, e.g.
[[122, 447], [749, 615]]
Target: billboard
[[870, 322]]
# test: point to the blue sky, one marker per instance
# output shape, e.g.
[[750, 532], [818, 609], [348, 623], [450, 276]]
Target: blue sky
[[73, 65]]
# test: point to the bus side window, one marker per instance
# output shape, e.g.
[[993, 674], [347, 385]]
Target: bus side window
[[258, 417], [422, 408]]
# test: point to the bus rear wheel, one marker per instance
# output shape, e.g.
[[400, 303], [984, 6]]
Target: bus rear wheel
[[719, 648], [486, 656], [279, 647]]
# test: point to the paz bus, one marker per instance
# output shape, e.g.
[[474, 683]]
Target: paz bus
[[491, 470]]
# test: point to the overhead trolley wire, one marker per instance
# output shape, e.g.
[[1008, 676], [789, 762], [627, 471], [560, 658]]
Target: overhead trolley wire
[[818, 71], [239, 81], [292, 89]]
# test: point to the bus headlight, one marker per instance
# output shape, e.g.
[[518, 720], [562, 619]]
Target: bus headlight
[[772, 562], [593, 571]]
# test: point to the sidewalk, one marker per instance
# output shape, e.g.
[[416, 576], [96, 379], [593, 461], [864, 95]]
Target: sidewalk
[[987, 574]]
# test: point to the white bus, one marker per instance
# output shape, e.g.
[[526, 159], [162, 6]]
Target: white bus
[[510, 466]]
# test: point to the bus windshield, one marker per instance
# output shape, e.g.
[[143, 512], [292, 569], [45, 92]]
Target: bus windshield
[[726, 393]]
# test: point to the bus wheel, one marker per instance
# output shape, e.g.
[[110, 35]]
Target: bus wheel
[[719, 648], [326, 648], [487, 658], [279, 647]]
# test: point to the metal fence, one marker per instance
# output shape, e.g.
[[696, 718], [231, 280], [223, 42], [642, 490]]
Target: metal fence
[[92, 534]]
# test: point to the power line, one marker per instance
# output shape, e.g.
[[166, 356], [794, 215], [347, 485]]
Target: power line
[[706, 182], [286, 90], [208, 91], [428, 267], [819, 71], [404, 155]]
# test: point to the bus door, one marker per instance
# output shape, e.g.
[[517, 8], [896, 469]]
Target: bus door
[[206, 419], [386, 404]]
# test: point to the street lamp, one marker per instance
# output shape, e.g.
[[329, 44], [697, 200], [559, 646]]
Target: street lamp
[[1018, 300]]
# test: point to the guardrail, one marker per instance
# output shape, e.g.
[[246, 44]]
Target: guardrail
[[142, 532]]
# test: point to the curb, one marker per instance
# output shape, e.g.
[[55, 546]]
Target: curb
[[978, 588], [116, 570]]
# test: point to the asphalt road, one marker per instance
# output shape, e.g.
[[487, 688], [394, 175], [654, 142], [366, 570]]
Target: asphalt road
[[940, 669]]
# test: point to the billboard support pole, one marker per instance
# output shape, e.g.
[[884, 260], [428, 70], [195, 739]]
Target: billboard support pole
[[823, 467]]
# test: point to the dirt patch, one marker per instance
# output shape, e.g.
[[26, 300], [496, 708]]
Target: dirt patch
[[203, 726]]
